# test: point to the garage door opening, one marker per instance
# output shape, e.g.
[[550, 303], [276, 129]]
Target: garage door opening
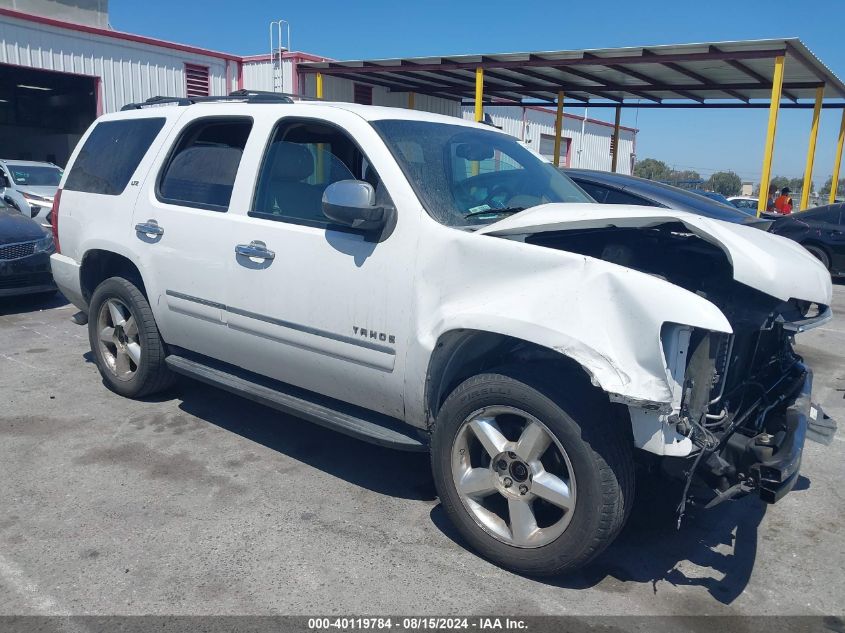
[[43, 113]]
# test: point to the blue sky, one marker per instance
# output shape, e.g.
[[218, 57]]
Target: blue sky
[[704, 140]]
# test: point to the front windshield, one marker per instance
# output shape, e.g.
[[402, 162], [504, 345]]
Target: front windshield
[[35, 175], [465, 176]]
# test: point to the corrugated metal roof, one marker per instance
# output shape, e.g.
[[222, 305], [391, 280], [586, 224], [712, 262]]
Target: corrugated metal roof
[[735, 71]]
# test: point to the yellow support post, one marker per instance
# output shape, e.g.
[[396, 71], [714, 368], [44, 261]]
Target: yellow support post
[[811, 150], [558, 126], [410, 100], [836, 163], [769, 150], [319, 85], [614, 158], [479, 94]]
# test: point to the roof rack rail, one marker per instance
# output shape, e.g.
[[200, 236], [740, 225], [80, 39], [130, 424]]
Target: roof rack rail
[[240, 96]]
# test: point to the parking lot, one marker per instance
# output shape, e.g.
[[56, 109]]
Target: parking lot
[[200, 502]]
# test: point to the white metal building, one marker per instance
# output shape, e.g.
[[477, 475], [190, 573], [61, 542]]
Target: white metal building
[[61, 66], [585, 142]]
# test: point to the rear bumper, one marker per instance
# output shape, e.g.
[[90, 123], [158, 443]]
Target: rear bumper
[[27, 275], [66, 275], [777, 474]]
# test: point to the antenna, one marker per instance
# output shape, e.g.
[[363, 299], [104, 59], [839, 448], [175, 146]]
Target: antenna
[[279, 44]]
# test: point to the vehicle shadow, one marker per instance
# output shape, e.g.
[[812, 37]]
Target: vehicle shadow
[[397, 473], [715, 549], [30, 303]]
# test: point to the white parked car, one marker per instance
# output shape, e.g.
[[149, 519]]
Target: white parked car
[[29, 186], [426, 283], [746, 203]]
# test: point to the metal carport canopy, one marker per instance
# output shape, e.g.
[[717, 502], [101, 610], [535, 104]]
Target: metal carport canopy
[[744, 74], [738, 71]]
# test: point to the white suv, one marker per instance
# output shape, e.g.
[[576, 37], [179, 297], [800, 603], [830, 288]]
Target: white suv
[[426, 283]]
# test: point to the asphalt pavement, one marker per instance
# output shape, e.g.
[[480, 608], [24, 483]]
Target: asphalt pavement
[[200, 502]]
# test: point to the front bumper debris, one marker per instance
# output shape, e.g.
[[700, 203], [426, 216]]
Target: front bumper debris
[[776, 474]]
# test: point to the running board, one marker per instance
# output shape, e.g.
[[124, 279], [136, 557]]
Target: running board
[[357, 422]]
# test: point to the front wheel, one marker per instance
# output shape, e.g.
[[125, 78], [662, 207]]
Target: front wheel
[[125, 340], [535, 483]]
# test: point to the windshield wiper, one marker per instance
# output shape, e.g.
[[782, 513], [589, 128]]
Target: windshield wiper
[[504, 211]]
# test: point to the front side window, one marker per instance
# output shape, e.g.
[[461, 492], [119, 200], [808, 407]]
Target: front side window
[[35, 175], [111, 154], [468, 177], [202, 168], [303, 158]]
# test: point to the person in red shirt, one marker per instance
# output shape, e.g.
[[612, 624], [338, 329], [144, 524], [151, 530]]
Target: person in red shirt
[[783, 204]]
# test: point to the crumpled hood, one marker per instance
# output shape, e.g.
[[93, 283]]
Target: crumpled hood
[[769, 263]]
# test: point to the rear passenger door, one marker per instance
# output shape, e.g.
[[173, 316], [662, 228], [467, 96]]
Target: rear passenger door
[[181, 228]]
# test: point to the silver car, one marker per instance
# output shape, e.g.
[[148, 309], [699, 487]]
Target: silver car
[[29, 186]]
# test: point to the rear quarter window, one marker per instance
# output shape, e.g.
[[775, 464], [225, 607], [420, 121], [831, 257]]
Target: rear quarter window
[[111, 154]]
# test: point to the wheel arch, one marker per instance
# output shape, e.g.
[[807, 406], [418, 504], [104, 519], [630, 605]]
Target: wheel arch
[[98, 264], [819, 245], [460, 354]]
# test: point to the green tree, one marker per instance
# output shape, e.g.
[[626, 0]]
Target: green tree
[[652, 169], [725, 182], [828, 184], [685, 177]]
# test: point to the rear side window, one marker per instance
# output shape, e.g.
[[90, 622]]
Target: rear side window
[[201, 170], [111, 155]]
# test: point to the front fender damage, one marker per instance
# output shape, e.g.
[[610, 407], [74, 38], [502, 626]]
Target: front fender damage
[[605, 317]]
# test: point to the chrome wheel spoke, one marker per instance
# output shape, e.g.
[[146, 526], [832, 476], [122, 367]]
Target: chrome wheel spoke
[[131, 327], [533, 442], [121, 363], [490, 520], [522, 523], [116, 313], [487, 432], [478, 482], [133, 350], [553, 489], [107, 335]]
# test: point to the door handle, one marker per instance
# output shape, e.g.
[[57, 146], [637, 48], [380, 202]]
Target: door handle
[[255, 249], [150, 227]]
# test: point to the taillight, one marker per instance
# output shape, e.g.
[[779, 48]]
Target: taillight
[[54, 221]]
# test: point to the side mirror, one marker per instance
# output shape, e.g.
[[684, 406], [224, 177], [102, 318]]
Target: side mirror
[[353, 203]]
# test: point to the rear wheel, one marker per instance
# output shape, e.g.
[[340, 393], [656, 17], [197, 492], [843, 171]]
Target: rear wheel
[[819, 254], [532, 482], [125, 340]]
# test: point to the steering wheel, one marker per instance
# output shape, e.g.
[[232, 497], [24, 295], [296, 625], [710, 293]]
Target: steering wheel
[[496, 193]]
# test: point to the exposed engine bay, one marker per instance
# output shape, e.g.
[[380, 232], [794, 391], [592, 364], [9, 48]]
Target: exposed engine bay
[[743, 397]]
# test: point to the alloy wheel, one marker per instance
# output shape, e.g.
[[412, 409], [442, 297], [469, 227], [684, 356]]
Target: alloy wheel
[[513, 476], [117, 331]]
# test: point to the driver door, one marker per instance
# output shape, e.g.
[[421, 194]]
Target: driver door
[[323, 307]]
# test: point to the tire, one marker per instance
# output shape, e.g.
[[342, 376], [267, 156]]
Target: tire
[[131, 357], [597, 467], [819, 254]]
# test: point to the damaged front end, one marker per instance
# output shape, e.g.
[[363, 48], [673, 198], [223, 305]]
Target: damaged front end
[[733, 414], [740, 400], [745, 402]]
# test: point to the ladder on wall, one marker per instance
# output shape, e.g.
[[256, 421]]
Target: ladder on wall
[[279, 44]]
